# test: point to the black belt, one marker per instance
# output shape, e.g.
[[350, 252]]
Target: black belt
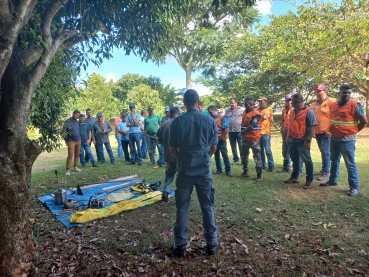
[[151, 134]]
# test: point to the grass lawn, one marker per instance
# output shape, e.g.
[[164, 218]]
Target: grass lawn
[[265, 229]]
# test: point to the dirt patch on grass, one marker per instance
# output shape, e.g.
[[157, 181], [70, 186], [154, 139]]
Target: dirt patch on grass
[[317, 193]]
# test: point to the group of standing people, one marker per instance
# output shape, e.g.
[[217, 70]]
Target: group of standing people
[[190, 139]]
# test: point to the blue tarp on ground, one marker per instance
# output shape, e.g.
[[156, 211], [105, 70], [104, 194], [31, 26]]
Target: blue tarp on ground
[[49, 200]]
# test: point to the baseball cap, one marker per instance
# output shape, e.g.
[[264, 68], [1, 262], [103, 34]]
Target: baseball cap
[[166, 109], [262, 99], [124, 114], [320, 87], [132, 105], [99, 115]]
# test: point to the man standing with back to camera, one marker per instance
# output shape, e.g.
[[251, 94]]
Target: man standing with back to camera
[[193, 140]]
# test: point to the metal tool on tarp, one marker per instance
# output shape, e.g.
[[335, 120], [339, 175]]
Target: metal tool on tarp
[[96, 202], [82, 186], [114, 188]]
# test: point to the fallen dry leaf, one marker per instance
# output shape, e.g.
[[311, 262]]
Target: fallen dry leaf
[[259, 210], [316, 224]]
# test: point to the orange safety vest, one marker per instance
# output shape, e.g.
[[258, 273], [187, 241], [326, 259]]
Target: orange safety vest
[[218, 121], [286, 117], [265, 125], [253, 135], [343, 120], [322, 114], [297, 124]]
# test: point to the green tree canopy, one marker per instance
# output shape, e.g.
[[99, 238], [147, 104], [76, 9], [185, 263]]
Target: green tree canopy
[[143, 96], [98, 97]]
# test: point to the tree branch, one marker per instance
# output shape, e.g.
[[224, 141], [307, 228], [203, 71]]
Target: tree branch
[[48, 18]]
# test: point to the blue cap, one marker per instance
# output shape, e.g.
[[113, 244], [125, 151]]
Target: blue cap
[[132, 105]]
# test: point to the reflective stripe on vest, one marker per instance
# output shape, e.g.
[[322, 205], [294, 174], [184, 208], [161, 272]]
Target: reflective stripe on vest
[[297, 124], [343, 120]]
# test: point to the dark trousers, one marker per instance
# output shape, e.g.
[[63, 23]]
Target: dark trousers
[[125, 144], [222, 149]]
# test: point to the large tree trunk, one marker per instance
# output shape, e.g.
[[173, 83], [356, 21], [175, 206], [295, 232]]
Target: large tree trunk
[[188, 78], [17, 154]]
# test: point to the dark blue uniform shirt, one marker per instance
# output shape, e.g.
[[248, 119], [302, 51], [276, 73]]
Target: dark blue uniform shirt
[[193, 133]]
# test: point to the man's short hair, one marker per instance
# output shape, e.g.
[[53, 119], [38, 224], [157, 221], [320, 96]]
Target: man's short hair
[[143, 111], [250, 99], [174, 111], [200, 104], [88, 110], [82, 115], [234, 99], [190, 96], [123, 114], [212, 108], [345, 87], [76, 111], [298, 97]]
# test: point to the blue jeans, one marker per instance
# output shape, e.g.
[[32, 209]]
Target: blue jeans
[[347, 150], [234, 139], [222, 149], [143, 145], [85, 147], [134, 142], [298, 153], [100, 148], [120, 149], [161, 155], [170, 173], [206, 195], [324, 144], [87, 159], [125, 144], [265, 150]]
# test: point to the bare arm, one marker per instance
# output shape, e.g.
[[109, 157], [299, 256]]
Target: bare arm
[[174, 152], [363, 122], [310, 135], [225, 132], [213, 149]]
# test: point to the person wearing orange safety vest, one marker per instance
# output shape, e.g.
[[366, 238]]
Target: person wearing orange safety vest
[[223, 127], [347, 119], [301, 129], [251, 129], [267, 118], [284, 127], [322, 134]]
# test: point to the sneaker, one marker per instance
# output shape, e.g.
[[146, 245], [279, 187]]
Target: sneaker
[[164, 196], [328, 183], [353, 192], [245, 173], [156, 167], [95, 165], [292, 181], [229, 174], [270, 169], [283, 170], [76, 169], [308, 185], [113, 163], [236, 163], [259, 177], [217, 172], [152, 162], [67, 173], [179, 251], [211, 249], [144, 157], [323, 177], [140, 164]]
